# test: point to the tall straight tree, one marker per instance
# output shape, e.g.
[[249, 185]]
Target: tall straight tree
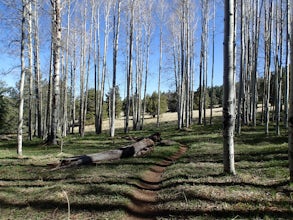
[[30, 67], [97, 63], [116, 23], [83, 47], [22, 78], [38, 89], [203, 62], [229, 89], [65, 119], [287, 81], [107, 10], [56, 4], [241, 89], [267, 72], [213, 62], [72, 84], [129, 64], [278, 61], [85, 106], [148, 26], [137, 77], [255, 39], [290, 151], [161, 13]]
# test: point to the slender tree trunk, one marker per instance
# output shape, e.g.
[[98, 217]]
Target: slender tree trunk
[[97, 70], [22, 79], [146, 76], [268, 28], [115, 52], [229, 89], [83, 42], [241, 91], [104, 69], [129, 70], [287, 81], [203, 63], [182, 68], [31, 79], [73, 74], [88, 69], [205, 11], [49, 94], [187, 69], [159, 78], [38, 88], [65, 119], [213, 64], [56, 76], [290, 151], [277, 71]]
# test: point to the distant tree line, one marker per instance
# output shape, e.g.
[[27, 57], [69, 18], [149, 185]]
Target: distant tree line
[[168, 103]]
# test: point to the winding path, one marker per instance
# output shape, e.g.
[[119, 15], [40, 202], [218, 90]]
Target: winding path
[[144, 198]]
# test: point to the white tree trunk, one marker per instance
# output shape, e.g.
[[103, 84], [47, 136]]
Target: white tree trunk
[[290, 152], [229, 89], [30, 67], [56, 65], [268, 29], [129, 67], [287, 81], [22, 78], [65, 118], [115, 52], [104, 68], [38, 88]]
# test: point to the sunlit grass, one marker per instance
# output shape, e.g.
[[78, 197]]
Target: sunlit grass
[[194, 187]]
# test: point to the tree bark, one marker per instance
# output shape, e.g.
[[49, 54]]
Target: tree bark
[[104, 68], [38, 89], [268, 36], [115, 52], [241, 91], [22, 78], [129, 68], [213, 63], [139, 148], [287, 81], [229, 89], [290, 151], [30, 67], [65, 118], [56, 76]]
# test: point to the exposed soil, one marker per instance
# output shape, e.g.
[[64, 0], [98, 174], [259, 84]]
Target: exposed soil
[[144, 198]]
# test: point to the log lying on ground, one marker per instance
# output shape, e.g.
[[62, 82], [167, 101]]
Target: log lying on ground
[[139, 148]]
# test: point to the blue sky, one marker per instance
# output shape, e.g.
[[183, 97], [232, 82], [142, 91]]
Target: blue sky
[[9, 60]]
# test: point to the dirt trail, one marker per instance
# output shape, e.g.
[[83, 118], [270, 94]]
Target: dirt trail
[[144, 198]]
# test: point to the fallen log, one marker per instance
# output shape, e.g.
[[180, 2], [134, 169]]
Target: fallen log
[[139, 148]]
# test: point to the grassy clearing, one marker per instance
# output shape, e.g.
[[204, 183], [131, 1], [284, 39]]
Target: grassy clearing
[[193, 188], [29, 190]]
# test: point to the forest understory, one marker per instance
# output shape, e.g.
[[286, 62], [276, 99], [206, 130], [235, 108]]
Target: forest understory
[[191, 186]]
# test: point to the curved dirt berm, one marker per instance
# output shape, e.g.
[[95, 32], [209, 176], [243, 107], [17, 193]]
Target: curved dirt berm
[[144, 198]]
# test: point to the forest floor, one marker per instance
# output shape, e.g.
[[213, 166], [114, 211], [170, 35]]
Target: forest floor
[[182, 181]]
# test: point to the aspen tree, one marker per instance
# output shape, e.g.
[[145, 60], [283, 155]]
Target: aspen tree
[[38, 88], [229, 89], [115, 54], [290, 143], [56, 66], [22, 78]]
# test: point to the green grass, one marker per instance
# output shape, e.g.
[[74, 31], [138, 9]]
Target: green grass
[[193, 188]]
